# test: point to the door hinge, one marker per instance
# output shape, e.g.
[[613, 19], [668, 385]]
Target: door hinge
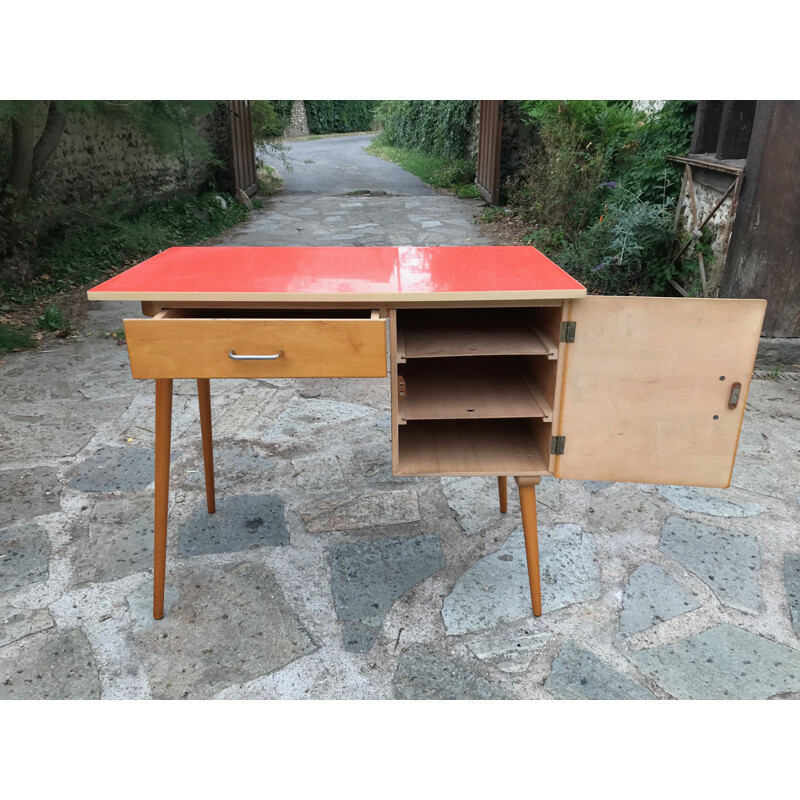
[[567, 332], [557, 445]]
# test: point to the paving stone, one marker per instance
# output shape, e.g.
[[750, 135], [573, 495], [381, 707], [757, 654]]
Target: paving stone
[[112, 540], [232, 462], [760, 478], [578, 674], [791, 579], [728, 561], [16, 623], [24, 554], [367, 577], [368, 511], [596, 486], [722, 663], [322, 474], [303, 416], [625, 509], [652, 596], [27, 493], [709, 501], [475, 501], [509, 651], [422, 675], [200, 647], [116, 469], [241, 522], [372, 462], [50, 666], [496, 588], [46, 430]]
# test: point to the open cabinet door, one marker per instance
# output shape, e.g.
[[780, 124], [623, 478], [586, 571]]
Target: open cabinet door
[[647, 388]]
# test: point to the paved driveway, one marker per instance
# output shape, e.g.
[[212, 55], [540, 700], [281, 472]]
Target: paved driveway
[[339, 165]]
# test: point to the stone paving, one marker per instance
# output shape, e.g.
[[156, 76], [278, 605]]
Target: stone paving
[[322, 576]]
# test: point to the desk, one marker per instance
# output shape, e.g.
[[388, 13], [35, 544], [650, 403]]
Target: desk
[[499, 363]]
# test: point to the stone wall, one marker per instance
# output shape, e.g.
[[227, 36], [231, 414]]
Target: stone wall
[[105, 159], [298, 121]]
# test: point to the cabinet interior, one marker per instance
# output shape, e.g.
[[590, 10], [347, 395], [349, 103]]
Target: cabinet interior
[[474, 390]]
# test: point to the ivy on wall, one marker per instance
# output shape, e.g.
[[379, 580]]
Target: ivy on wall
[[340, 116], [439, 127]]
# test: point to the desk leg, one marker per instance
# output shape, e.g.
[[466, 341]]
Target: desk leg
[[204, 399], [502, 488], [527, 502], [163, 435]]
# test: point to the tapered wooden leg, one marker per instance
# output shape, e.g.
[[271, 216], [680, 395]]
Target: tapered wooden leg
[[204, 399], [163, 435], [527, 502], [502, 488]]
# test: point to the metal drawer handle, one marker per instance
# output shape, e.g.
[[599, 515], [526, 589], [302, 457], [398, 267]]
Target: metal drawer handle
[[233, 356]]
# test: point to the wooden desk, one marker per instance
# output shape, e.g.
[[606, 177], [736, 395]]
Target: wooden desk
[[499, 363]]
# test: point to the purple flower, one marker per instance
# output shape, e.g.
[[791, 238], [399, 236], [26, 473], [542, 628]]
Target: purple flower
[[610, 184], [599, 267]]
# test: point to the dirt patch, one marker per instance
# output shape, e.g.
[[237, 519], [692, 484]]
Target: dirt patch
[[504, 229]]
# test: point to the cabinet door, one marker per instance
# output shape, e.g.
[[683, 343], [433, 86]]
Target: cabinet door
[[647, 388]]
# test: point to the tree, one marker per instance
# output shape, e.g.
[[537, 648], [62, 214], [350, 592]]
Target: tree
[[170, 126]]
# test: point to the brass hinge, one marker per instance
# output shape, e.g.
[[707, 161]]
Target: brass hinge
[[567, 332], [557, 445]]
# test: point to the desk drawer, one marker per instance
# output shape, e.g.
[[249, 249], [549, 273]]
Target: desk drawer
[[180, 343]]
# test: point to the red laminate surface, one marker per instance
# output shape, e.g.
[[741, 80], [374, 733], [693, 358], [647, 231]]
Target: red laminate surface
[[344, 273]]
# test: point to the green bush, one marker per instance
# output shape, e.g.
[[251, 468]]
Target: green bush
[[600, 193], [340, 116], [438, 127], [267, 123], [268, 180], [53, 319]]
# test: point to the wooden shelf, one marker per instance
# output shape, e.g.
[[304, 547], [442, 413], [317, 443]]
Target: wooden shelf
[[468, 447], [467, 333], [465, 388]]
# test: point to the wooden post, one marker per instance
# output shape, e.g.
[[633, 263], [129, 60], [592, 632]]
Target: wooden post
[[527, 502], [163, 435], [204, 400]]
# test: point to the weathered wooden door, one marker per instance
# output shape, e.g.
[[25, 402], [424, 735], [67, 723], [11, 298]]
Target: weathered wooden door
[[654, 388], [489, 137], [242, 148]]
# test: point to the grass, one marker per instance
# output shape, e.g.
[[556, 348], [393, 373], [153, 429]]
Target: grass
[[457, 176], [15, 338]]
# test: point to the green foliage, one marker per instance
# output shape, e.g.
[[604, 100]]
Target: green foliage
[[268, 180], [625, 251], [437, 127], [340, 116], [267, 123], [53, 319], [469, 192], [78, 252], [600, 194], [668, 132], [432, 169], [14, 338], [604, 127]]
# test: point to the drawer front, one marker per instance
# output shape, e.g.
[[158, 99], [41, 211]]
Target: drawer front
[[309, 348]]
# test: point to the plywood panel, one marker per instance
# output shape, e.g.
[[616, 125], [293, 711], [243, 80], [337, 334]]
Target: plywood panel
[[646, 388], [468, 447], [310, 348], [469, 388]]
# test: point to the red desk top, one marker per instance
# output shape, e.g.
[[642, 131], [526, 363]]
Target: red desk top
[[341, 274]]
